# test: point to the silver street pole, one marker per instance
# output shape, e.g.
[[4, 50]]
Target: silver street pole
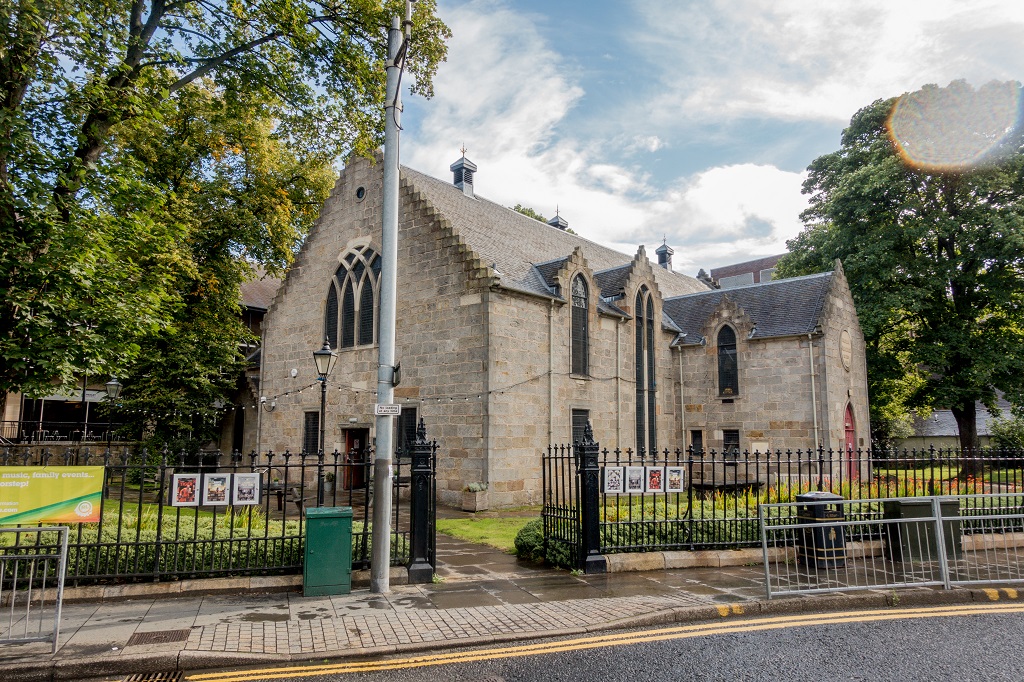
[[380, 562]]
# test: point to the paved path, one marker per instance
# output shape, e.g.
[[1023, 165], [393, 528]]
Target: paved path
[[484, 597]]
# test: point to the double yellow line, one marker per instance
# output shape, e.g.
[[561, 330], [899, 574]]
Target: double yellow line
[[658, 635]]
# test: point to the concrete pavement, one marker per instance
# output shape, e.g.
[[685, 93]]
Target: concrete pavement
[[483, 597]]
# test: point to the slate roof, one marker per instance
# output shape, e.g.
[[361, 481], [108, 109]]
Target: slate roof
[[612, 281], [257, 294], [515, 243], [943, 423], [778, 308]]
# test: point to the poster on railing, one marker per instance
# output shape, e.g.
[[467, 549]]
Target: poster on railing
[[57, 494]]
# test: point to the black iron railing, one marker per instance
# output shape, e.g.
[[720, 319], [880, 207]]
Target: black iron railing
[[143, 535], [694, 500]]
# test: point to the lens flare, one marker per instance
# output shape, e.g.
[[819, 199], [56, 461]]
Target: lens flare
[[954, 128]]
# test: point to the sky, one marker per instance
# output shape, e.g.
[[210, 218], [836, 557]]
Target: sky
[[690, 122]]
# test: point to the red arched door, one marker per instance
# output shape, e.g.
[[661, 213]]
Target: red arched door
[[851, 442]]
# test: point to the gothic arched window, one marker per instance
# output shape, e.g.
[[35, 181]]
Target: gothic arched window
[[580, 340], [728, 372], [646, 394], [355, 284]]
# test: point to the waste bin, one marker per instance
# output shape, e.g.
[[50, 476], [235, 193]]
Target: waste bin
[[821, 543], [327, 568], [914, 540]]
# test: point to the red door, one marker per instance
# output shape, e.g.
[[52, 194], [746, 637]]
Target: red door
[[851, 442]]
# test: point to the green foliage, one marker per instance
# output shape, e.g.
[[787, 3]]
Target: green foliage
[[529, 544], [529, 212], [1008, 432], [147, 149], [935, 259]]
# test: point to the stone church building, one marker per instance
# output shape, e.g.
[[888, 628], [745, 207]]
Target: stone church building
[[512, 333]]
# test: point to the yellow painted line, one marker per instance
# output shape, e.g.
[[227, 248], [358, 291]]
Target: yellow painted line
[[663, 634], [993, 595], [1010, 592]]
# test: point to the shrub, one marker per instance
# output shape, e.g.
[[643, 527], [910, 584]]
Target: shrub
[[530, 546]]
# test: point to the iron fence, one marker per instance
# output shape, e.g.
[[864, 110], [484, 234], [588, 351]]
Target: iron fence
[[144, 533], [694, 499]]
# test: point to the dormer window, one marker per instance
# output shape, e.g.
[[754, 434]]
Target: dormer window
[[351, 300]]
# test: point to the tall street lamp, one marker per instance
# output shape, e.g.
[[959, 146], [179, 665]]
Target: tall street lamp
[[324, 359], [113, 393]]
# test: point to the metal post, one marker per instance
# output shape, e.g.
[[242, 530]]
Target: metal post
[[591, 560], [320, 453], [421, 569], [380, 563]]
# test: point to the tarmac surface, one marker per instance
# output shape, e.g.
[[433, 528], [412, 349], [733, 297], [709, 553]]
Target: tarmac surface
[[482, 597]]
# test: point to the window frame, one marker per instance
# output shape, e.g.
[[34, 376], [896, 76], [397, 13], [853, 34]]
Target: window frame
[[579, 337], [358, 269], [728, 386]]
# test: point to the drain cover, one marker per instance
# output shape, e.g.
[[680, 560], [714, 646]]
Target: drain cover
[[155, 677], [159, 637]]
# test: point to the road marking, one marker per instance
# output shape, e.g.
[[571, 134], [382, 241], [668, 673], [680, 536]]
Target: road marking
[[659, 635], [1010, 592], [993, 595]]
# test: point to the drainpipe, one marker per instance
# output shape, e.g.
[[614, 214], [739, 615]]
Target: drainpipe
[[814, 398], [551, 371], [682, 397], [618, 382]]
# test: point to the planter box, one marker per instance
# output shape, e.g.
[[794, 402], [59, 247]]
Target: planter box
[[474, 501]]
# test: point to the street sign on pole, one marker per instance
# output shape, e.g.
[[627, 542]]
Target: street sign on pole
[[387, 410]]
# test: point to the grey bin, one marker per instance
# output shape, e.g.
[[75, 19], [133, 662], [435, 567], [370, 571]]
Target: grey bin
[[821, 542], [327, 564], [914, 539]]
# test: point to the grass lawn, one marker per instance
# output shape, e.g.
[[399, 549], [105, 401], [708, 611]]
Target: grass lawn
[[494, 532]]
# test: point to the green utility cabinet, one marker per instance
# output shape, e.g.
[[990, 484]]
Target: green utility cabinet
[[327, 568], [913, 538]]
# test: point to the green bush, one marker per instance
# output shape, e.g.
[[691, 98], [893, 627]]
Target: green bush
[[530, 546]]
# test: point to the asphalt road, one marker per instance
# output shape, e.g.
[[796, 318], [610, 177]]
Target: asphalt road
[[961, 643]]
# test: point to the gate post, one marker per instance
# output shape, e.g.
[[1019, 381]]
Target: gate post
[[421, 570], [589, 474]]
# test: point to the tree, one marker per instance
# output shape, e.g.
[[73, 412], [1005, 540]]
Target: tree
[[933, 251], [90, 257], [242, 197], [529, 212]]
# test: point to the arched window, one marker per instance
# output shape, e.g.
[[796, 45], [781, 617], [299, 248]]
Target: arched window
[[355, 283], [728, 372], [646, 394], [580, 333]]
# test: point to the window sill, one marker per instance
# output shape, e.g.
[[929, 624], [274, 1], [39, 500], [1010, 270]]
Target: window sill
[[579, 377]]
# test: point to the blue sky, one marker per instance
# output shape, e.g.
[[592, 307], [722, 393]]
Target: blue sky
[[692, 121]]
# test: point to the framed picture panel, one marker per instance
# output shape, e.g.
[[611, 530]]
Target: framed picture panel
[[245, 489], [675, 479], [216, 488], [654, 479], [634, 479], [614, 480], [185, 490]]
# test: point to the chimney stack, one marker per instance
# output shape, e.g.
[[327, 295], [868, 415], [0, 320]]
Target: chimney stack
[[464, 170], [665, 255]]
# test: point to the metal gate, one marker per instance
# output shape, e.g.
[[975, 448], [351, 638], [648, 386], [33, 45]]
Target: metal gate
[[815, 546], [32, 566]]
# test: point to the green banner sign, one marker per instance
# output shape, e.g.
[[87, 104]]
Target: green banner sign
[[50, 494]]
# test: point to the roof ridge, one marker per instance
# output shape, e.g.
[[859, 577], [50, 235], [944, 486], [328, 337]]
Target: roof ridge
[[755, 284]]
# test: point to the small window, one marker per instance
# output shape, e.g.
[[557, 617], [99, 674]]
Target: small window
[[728, 372], [406, 430], [731, 444], [697, 441], [580, 419], [580, 334], [311, 433]]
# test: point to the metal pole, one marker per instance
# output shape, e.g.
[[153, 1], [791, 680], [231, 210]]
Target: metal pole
[[320, 453], [380, 562]]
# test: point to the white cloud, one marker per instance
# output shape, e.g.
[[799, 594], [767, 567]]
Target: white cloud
[[796, 60]]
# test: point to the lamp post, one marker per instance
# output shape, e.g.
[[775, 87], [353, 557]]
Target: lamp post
[[324, 360], [113, 393]]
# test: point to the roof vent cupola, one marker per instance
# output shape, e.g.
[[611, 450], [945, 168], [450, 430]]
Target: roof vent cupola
[[559, 222], [665, 255], [464, 169]]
